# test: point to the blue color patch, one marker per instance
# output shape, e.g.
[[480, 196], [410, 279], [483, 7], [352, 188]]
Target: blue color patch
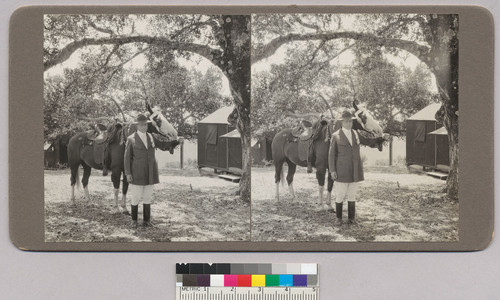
[[299, 280], [286, 280]]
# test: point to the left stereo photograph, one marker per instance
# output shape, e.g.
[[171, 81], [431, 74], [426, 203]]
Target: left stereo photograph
[[143, 115]]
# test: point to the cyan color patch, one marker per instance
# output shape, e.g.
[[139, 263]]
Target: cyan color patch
[[286, 280]]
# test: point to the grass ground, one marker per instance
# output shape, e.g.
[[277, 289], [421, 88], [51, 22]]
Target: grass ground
[[394, 204], [186, 207]]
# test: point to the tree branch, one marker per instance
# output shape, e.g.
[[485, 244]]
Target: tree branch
[[327, 105], [190, 26], [92, 119], [97, 28], [119, 107], [116, 68], [269, 49], [167, 44], [313, 55], [315, 115], [299, 20]]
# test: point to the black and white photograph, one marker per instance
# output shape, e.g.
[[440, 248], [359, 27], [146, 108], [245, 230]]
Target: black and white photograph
[[146, 127], [355, 127]]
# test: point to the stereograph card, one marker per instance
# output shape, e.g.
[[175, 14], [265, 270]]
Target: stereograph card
[[279, 128]]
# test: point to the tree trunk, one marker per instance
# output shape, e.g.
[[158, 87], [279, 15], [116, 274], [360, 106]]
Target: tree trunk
[[236, 66], [390, 152], [444, 54]]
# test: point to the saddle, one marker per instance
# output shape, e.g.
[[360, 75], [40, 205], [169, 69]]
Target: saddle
[[304, 131], [99, 140], [303, 136]]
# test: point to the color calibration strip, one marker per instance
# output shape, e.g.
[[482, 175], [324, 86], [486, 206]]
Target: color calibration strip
[[247, 275]]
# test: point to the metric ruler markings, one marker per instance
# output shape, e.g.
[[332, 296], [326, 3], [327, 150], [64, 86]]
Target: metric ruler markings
[[249, 293]]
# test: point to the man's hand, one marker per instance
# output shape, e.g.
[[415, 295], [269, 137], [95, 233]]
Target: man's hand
[[129, 178], [334, 175]]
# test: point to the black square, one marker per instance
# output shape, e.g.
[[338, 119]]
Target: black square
[[181, 268], [223, 268], [195, 268], [209, 269]]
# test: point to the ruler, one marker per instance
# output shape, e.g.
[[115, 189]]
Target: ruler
[[246, 293]]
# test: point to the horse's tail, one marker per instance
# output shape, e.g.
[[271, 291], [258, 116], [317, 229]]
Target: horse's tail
[[282, 177]]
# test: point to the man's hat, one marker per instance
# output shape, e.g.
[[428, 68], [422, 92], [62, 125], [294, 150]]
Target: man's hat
[[141, 118], [346, 114]]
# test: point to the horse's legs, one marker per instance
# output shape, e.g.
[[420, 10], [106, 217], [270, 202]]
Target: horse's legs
[[85, 179], [320, 176], [74, 180], [330, 187], [124, 193], [115, 178], [289, 177], [278, 176]]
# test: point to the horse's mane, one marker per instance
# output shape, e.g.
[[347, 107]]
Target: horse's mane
[[323, 129], [120, 132]]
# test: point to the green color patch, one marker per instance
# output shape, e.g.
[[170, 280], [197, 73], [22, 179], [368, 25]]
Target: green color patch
[[272, 280]]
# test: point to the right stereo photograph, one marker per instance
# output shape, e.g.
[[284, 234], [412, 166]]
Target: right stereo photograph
[[354, 127]]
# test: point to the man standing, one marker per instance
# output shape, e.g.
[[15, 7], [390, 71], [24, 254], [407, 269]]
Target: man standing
[[346, 166], [141, 169]]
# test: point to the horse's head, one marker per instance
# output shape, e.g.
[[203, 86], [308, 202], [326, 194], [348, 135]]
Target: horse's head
[[366, 120], [164, 133]]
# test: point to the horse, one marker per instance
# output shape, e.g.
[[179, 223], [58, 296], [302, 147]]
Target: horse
[[285, 148], [81, 152]]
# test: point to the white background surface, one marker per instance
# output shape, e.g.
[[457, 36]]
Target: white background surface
[[29, 275]]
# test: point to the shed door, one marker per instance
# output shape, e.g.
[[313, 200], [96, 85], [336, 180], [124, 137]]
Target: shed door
[[442, 154], [211, 144], [235, 154], [419, 141]]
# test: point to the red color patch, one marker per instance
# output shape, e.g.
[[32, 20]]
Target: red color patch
[[244, 280]]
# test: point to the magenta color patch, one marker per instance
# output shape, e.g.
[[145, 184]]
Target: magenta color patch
[[230, 280]]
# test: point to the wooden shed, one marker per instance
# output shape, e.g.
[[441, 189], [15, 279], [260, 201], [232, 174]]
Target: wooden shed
[[219, 143], [261, 151], [442, 148], [55, 153], [427, 140]]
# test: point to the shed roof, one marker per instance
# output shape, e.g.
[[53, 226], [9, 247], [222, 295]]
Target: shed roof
[[427, 113], [219, 116], [232, 134], [440, 131]]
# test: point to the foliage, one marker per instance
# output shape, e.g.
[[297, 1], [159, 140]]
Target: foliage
[[391, 92], [102, 85]]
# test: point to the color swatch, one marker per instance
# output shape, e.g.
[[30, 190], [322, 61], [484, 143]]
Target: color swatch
[[247, 275]]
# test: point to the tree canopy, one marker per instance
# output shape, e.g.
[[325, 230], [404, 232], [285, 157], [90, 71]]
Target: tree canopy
[[103, 85]]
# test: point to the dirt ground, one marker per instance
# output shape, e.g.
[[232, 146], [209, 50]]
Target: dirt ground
[[186, 207], [394, 204]]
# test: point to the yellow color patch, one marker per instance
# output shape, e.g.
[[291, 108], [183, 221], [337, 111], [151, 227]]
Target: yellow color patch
[[258, 280]]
